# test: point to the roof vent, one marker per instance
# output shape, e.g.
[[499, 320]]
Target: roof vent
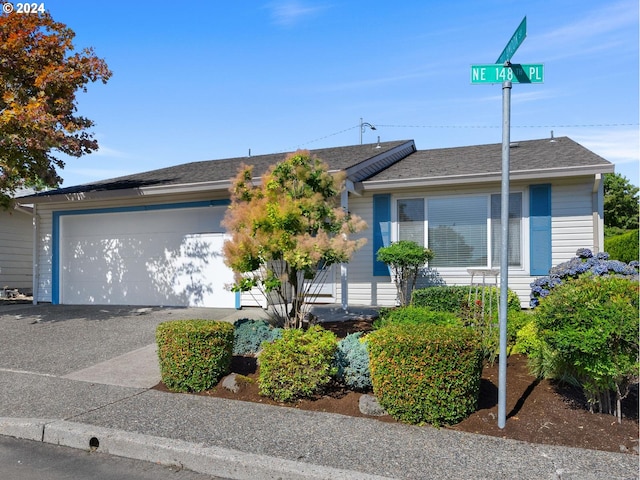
[[378, 146], [553, 140], [514, 145]]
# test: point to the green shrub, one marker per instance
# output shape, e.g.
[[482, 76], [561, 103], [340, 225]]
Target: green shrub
[[543, 361], [426, 373], [516, 321], [194, 354], [405, 258], [591, 324], [446, 298], [527, 339], [298, 365], [461, 300], [476, 307], [352, 362], [623, 247], [249, 335], [416, 315]]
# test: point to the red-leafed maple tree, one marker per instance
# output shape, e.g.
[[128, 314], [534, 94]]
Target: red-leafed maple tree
[[40, 74], [287, 228]]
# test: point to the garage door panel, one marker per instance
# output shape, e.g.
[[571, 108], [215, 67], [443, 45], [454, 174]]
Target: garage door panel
[[145, 258]]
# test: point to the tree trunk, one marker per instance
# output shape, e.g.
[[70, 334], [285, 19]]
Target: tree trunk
[[297, 300]]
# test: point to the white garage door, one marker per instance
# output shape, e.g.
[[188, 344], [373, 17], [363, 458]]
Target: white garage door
[[153, 257]]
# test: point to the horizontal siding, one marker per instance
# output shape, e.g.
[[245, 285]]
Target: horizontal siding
[[572, 219], [572, 228], [365, 289], [16, 250]]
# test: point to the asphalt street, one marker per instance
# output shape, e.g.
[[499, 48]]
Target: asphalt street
[[31, 460]]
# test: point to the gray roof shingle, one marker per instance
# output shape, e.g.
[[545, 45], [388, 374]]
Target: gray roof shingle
[[351, 158], [372, 164], [525, 156]]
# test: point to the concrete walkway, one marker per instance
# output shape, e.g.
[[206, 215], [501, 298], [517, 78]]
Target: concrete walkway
[[81, 377]]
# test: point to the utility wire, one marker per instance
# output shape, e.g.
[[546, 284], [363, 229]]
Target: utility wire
[[465, 126], [514, 126]]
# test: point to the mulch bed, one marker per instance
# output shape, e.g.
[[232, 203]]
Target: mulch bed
[[538, 411]]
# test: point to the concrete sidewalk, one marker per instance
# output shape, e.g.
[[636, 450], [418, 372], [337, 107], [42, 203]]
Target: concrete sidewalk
[[80, 377]]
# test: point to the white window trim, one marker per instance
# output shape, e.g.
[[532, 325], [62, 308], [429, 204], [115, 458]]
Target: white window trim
[[524, 266]]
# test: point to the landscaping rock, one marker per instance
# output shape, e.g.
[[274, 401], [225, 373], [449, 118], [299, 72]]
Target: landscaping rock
[[369, 406], [230, 383]]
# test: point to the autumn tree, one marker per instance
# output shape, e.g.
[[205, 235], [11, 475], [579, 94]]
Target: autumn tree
[[285, 229], [39, 76]]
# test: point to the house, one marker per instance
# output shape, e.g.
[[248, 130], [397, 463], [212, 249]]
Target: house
[[155, 238], [16, 249]]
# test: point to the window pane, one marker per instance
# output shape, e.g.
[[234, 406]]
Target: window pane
[[411, 220], [515, 222], [458, 231]]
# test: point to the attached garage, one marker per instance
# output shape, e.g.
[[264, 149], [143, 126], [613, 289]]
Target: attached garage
[[150, 255]]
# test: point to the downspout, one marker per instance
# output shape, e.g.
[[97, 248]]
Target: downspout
[[597, 207]]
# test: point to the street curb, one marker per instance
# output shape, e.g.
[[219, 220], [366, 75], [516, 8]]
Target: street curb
[[222, 462], [24, 428]]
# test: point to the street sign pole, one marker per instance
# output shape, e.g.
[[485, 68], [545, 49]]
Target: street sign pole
[[505, 72], [504, 253]]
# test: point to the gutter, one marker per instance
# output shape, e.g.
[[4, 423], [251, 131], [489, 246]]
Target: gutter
[[373, 185], [221, 185]]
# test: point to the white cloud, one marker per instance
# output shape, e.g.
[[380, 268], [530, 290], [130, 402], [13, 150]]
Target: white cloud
[[289, 13], [622, 146], [108, 152], [591, 33]]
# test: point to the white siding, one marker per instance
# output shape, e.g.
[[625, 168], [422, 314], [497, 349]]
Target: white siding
[[364, 288], [16, 250], [572, 228], [572, 219]]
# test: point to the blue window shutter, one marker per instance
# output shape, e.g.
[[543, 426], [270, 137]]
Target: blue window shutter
[[540, 228], [381, 230]]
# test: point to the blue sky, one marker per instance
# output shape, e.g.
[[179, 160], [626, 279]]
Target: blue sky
[[204, 80]]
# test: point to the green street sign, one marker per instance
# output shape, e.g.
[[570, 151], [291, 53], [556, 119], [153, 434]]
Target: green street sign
[[515, 73], [516, 40]]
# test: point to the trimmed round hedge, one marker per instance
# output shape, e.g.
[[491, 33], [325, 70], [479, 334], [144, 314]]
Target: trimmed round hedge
[[194, 354], [426, 373]]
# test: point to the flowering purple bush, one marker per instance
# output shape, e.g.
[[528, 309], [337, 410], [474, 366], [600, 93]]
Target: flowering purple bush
[[583, 262]]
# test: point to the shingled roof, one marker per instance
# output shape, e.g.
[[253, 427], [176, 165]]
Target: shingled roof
[[528, 159], [359, 161], [373, 167]]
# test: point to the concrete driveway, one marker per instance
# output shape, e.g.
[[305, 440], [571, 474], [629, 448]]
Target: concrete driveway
[[112, 345]]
